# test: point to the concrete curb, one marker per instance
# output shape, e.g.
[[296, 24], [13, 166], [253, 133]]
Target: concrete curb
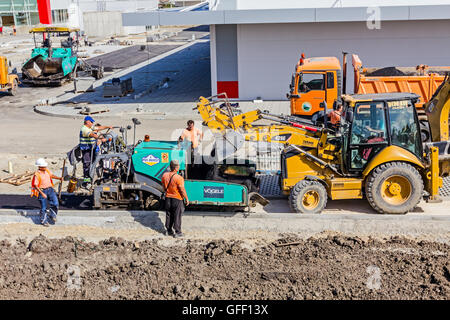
[[118, 115], [251, 215], [362, 225]]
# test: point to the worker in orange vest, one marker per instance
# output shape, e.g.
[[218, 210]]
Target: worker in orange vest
[[42, 188], [336, 115]]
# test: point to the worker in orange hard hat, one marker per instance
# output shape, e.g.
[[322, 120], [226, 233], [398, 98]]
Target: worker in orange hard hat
[[42, 188]]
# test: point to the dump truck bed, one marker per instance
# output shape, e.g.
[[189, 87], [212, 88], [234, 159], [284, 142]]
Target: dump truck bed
[[422, 80]]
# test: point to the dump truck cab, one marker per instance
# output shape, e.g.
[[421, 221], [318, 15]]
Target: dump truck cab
[[314, 80]]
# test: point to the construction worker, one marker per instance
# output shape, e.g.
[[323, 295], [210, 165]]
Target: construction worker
[[175, 195], [90, 139], [192, 134], [335, 115], [42, 188]]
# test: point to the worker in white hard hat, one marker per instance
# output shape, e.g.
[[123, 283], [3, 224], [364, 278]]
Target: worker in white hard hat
[[42, 188]]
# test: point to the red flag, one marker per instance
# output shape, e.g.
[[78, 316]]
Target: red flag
[[45, 12]]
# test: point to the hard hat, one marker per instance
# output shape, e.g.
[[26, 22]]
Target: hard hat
[[88, 118], [41, 163]]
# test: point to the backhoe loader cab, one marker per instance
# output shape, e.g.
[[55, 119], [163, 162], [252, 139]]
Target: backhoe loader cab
[[378, 121], [379, 155]]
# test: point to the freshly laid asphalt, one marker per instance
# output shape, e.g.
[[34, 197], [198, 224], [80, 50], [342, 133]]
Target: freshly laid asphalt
[[24, 202]]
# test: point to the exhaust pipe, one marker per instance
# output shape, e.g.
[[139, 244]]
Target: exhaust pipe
[[344, 72]]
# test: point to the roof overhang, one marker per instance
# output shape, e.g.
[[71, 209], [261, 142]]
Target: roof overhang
[[347, 14]]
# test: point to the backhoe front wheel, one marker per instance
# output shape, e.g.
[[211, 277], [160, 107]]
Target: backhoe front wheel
[[308, 197], [394, 187]]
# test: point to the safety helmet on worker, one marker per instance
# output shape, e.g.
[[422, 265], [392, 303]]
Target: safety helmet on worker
[[41, 163], [89, 118]]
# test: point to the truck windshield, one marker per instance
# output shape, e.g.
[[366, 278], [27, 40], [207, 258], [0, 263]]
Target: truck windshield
[[404, 131], [311, 81]]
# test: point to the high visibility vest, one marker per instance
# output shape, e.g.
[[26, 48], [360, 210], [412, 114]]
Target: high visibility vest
[[335, 117], [86, 142], [37, 175]]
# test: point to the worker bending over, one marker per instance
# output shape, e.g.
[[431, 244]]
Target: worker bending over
[[175, 193], [42, 188], [90, 139]]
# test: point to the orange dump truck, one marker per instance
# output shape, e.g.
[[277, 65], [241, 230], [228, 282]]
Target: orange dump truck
[[322, 79]]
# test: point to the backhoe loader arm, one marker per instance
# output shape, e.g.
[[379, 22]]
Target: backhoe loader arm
[[221, 118], [437, 110]]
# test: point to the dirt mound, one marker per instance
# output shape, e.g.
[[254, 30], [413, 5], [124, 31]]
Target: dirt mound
[[333, 267], [388, 71]]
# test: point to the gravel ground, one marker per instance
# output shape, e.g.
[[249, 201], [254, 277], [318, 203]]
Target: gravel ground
[[332, 267]]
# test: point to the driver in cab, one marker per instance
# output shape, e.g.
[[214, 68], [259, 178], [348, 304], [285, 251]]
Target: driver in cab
[[90, 139]]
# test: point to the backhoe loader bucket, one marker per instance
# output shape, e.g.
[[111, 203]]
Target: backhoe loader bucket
[[227, 144]]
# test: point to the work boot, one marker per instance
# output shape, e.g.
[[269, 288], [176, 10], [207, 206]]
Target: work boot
[[52, 215], [169, 233], [178, 235], [44, 218]]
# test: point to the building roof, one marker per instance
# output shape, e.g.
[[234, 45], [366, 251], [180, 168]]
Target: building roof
[[296, 15]]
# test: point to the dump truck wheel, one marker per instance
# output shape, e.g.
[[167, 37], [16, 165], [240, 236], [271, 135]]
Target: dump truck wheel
[[394, 187], [308, 197]]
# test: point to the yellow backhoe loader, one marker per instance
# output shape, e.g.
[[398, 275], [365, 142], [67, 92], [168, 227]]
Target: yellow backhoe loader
[[376, 152], [8, 82]]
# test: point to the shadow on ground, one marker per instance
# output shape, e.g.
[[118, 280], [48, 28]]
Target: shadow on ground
[[149, 220]]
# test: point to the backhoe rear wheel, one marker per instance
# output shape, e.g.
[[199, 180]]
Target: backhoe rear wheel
[[394, 187], [308, 197]]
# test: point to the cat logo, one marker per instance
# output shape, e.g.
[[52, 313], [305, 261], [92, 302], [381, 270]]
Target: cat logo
[[164, 157], [150, 160], [282, 137]]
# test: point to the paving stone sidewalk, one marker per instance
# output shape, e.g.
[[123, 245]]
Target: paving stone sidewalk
[[165, 87]]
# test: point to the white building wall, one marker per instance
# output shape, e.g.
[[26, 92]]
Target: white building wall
[[93, 13], [212, 46], [267, 53], [60, 4]]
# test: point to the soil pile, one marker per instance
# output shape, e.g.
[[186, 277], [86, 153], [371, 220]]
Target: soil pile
[[335, 267]]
